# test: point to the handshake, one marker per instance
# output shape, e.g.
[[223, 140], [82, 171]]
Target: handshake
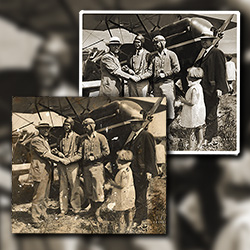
[[62, 159], [133, 76]]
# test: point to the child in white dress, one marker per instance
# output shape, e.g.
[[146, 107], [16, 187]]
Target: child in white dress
[[123, 191], [194, 112]]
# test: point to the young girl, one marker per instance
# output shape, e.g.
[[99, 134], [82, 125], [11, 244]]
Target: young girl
[[123, 192], [194, 112]]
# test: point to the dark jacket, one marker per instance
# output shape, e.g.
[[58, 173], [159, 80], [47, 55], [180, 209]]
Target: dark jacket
[[214, 67], [143, 148]]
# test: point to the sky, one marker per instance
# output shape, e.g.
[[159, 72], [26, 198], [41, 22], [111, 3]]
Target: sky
[[228, 44]]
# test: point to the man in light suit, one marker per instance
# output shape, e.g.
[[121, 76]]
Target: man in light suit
[[41, 172], [138, 66], [68, 171], [213, 83], [112, 74]]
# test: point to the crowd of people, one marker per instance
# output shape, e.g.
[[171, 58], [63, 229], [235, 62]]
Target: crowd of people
[[87, 155], [208, 79]]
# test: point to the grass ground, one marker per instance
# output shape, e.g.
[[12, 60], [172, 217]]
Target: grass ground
[[71, 224], [227, 132]]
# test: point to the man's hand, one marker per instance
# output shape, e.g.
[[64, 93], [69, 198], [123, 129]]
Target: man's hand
[[149, 176], [65, 161], [135, 78], [61, 155], [54, 151], [91, 158], [219, 93]]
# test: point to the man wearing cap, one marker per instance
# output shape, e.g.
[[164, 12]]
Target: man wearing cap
[[94, 149], [164, 66], [138, 66], [213, 83], [68, 169], [112, 74], [41, 170], [143, 166]]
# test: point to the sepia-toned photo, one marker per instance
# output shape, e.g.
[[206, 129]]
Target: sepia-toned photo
[[89, 165], [190, 57]]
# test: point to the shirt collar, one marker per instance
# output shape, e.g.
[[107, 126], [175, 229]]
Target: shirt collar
[[93, 135], [164, 52], [208, 49], [111, 53], [69, 134], [138, 52], [138, 132]]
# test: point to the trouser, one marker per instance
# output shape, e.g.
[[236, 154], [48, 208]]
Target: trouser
[[166, 89], [138, 88], [40, 197], [141, 187], [94, 182], [68, 177], [211, 103]]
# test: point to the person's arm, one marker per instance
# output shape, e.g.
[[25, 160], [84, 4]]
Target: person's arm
[[78, 154], [113, 68], [43, 151], [149, 71], [104, 146], [122, 182], [149, 151], [194, 98], [175, 65], [220, 72]]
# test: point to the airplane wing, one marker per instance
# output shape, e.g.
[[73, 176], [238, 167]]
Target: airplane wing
[[141, 23]]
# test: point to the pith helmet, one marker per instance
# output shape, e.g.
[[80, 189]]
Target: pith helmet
[[114, 40]]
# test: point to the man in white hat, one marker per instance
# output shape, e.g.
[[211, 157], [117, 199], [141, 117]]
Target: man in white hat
[[164, 66], [94, 150], [213, 83], [112, 74], [138, 66], [41, 172], [68, 169]]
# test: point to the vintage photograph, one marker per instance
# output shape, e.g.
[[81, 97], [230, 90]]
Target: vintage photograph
[[85, 165], [192, 58]]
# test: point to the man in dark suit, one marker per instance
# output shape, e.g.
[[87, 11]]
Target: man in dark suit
[[142, 144], [41, 172], [214, 82]]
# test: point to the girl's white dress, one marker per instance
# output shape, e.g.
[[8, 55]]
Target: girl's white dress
[[193, 116], [123, 198]]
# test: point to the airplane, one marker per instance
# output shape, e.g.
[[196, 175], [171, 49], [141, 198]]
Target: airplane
[[182, 33], [111, 115]]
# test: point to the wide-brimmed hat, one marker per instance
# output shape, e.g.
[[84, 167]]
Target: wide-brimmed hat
[[114, 40], [43, 125], [137, 118], [208, 35]]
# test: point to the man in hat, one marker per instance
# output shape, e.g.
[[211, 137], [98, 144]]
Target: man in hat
[[112, 74], [213, 83], [164, 66], [138, 66], [142, 145], [41, 169], [94, 150], [68, 169]]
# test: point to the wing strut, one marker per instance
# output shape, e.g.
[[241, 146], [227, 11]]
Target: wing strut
[[144, 27], [73, 109]]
